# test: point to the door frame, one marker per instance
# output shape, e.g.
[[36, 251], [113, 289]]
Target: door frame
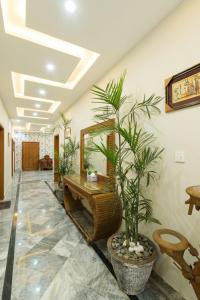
[[56, 149], [38, 153], [2, 163], [13, 157]]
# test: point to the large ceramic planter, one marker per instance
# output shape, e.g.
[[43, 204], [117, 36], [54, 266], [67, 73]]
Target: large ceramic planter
[[132, 275]]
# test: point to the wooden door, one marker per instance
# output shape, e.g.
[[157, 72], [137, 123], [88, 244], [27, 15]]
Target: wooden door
[[56, 155], [13, 157], [30, 156], [1, 163]]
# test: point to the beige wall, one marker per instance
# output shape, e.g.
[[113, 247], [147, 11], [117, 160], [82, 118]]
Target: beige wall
[[5, 123], [170, 48]]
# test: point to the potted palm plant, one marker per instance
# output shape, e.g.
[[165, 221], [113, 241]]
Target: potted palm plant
[[68, 153], [65, 165], [69, 149], [133, 159], [59, 165]]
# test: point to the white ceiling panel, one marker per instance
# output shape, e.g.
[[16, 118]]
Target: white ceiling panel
[[109, 28]]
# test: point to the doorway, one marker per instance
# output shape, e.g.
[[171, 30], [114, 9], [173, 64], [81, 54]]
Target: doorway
[[13, 157], [30, 156], [56, 157], [1, 163]]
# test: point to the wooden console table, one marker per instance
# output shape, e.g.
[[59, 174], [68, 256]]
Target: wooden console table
[[104, 213]]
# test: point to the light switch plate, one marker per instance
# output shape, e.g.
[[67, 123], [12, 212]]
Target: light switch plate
[[179, 156]]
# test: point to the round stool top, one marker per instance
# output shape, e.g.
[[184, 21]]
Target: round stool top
[[193, 191], [181, 246]]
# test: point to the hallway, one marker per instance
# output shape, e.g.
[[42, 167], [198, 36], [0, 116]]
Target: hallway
[[47, 256], [47, 260]]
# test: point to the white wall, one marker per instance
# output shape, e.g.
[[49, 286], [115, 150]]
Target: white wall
[[5, 123], [45, 140], [170, 48]]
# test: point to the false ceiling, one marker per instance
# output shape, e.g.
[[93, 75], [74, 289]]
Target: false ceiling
[[53, 51]]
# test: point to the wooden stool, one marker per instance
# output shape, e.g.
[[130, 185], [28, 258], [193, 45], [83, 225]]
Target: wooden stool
[[194, 193], [176, 252]]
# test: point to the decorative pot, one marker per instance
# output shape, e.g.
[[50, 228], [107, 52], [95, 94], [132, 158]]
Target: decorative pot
[[132, 275]]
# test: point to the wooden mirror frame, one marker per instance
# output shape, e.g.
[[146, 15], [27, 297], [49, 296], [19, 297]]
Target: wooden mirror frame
[[110, 144]]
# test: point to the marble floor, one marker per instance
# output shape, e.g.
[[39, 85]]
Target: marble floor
[[44, 256]]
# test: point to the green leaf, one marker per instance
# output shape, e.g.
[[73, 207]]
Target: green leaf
[[110, 98], [110, 154], [153, 220]]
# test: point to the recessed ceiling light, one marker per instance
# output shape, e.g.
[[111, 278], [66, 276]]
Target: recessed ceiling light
[[35, 114], [14, 18], [17, 121], [70, 6], [37, 105], [50, 67], [42, 92]]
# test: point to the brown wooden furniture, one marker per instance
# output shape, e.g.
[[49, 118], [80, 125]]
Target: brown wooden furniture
[[93, 208], [176, 251], [194, 200], [46, 163], [1, 163], [30, 156]]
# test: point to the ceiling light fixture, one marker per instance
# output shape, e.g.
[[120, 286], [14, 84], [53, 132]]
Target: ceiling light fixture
[[50, 67], [35, 114], [42, 92], [14, 18], [21, 110], [18, 87], [70, 6], [37, 105]]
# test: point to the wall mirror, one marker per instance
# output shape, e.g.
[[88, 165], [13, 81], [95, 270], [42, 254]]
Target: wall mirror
[[96, 161]]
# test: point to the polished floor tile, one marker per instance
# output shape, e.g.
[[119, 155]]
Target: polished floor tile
[[51, 258]]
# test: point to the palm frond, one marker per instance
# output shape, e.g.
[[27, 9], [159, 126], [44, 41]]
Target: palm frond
[[110, 154], [146, 157], [64, 121], [148, 106], [134, 153], [66, 159], [110, 99], [135, 137]]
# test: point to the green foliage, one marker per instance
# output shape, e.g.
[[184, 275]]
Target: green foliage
[[135, 153], [66, 158], [87, 154], [63, 123]]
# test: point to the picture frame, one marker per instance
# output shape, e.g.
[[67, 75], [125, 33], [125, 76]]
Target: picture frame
[[183, 89], [67, 132]]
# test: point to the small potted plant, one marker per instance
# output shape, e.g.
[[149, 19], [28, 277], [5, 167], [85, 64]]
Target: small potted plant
[[133, 159]]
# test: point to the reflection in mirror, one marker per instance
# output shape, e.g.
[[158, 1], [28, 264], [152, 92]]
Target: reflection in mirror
[[90, 160], [95, 161]]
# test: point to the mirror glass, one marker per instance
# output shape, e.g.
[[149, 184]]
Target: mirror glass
[[95, 161], [101, 133]]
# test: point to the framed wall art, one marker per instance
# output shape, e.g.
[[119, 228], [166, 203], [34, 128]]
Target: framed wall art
[[183, 89]]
